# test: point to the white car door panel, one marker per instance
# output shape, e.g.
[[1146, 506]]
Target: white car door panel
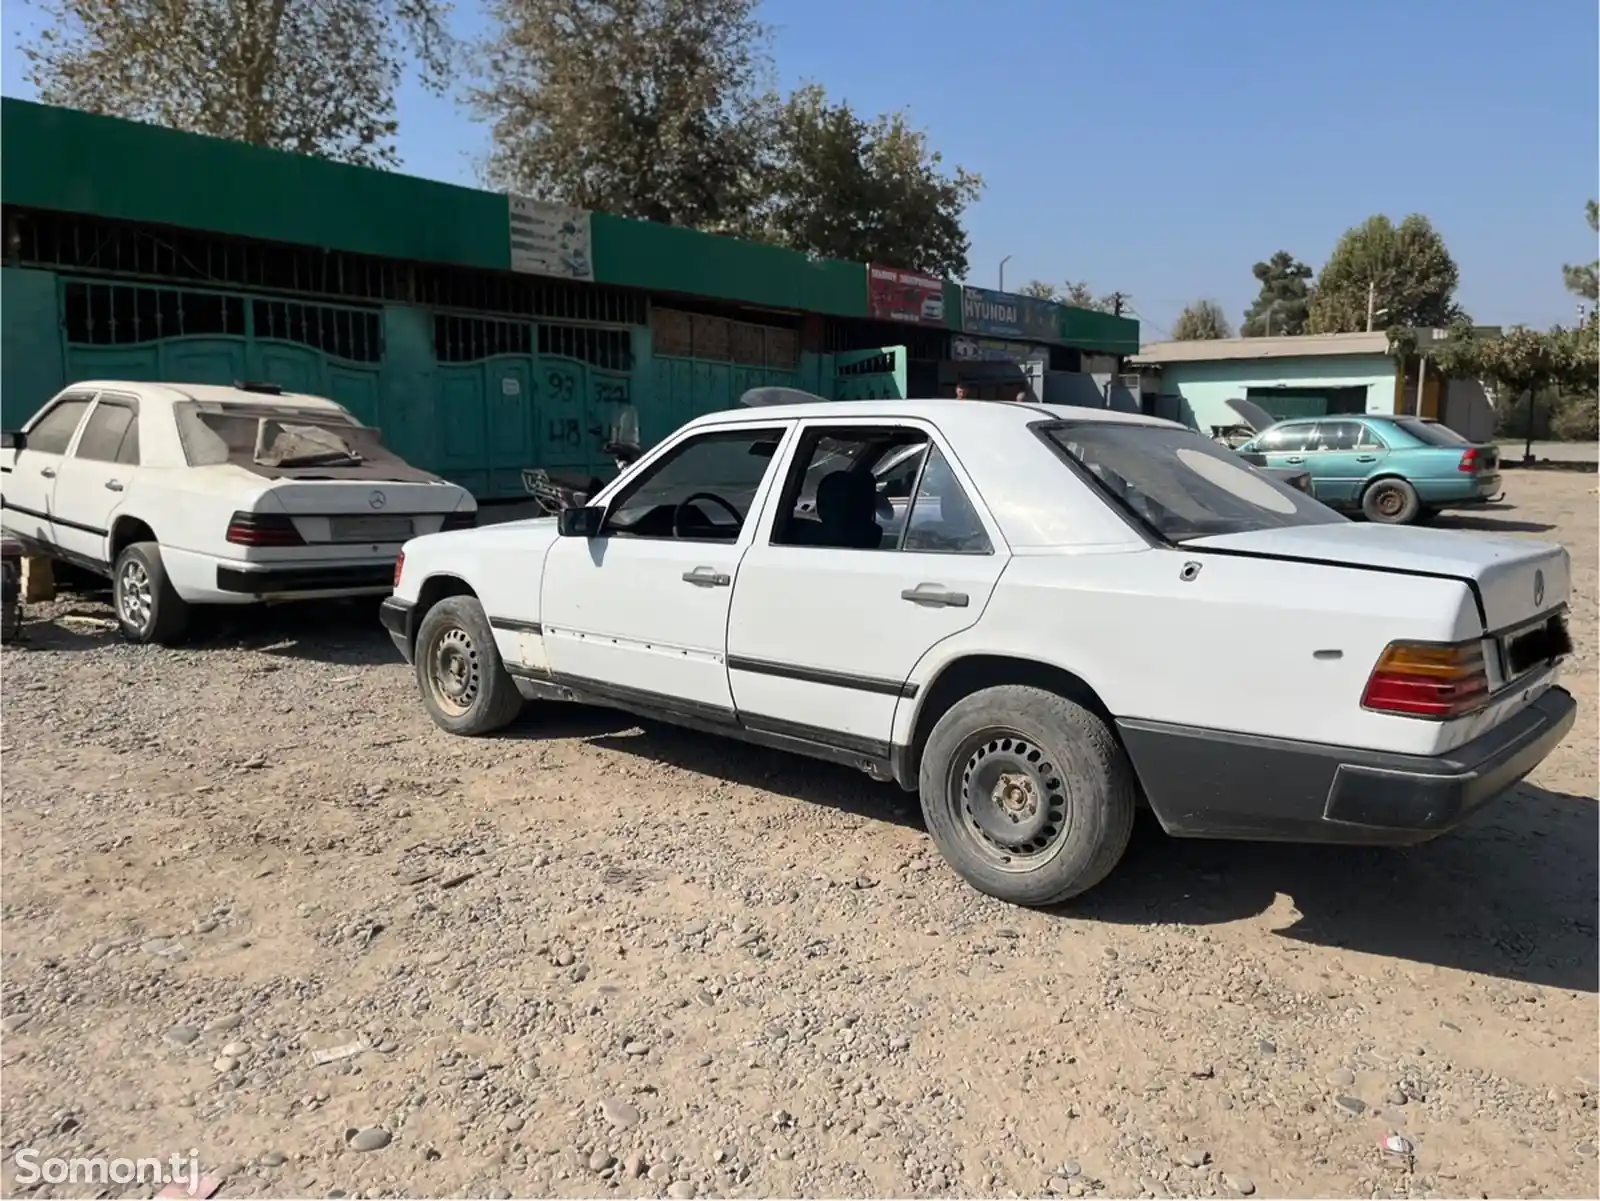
[[823, 639], [31, 483], [642, 610], [94, 480]]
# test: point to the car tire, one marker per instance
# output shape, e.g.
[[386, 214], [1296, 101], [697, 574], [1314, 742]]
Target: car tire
[[1391, 502], [464, 684], [148, 608], [1029, 796]]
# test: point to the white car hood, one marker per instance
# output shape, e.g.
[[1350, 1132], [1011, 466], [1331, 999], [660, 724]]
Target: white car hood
[[1516, 578]]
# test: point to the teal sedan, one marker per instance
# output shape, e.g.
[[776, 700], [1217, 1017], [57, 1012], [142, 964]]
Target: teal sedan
[[1396, 470]]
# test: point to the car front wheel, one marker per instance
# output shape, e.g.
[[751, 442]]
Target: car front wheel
[[1028, 795], [148, 608], [465, 686]]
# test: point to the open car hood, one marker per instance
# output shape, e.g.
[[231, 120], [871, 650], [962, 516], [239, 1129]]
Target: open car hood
[[756, 398], [1252, 414]]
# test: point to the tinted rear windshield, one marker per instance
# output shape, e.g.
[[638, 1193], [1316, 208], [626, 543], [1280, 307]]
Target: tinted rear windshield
[[1180, 484], [1433, 433]]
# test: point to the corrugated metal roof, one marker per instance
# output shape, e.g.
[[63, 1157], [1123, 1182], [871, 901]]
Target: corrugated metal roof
[[1217, 350]]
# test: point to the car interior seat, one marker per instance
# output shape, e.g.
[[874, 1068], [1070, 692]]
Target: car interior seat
[[847, 503]]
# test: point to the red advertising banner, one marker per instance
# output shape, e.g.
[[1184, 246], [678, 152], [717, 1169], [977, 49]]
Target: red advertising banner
[[895, 295]]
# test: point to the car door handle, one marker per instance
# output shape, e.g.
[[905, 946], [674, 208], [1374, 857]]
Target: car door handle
[[935, 596], [1366, 458], [49, 473], [1295, 459], [114, 485], [707, 577]]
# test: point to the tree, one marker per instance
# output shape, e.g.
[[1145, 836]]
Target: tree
[[1284, 302], [309, 76], [1391, 274], [1201, 321], [1038, 289], [840, 187], [1520, 362], [644, 108], [1585, 281]]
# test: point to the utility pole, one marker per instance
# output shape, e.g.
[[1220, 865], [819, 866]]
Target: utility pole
[[1372, 301], [1117, 300], [1003, 263]]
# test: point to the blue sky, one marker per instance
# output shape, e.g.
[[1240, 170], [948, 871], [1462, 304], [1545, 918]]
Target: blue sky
[[1161, 147]]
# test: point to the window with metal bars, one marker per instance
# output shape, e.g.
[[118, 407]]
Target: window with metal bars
[[85, 244], [611, 349], [720, 339], [120, 314], [458, 339], [353, 334]]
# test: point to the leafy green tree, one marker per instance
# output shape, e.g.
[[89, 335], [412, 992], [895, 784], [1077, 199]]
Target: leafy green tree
[[309, 76], [1389, 275], [1585, 281], [1284, 302], [643, 108], [1201, 321], [1039, 290], [835, 185]]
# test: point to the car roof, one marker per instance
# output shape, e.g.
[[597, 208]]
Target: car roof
[[172, 393], [946, 412]]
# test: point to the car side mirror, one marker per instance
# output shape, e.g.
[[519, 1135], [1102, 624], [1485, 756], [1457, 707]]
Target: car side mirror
[[13, 440], [582, 522]]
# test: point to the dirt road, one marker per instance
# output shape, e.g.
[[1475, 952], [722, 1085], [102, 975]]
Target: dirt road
[[590, 959]]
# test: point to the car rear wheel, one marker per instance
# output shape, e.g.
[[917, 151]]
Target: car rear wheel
[[465, 686], [1027, 795], [148, 608], [1391, 501]]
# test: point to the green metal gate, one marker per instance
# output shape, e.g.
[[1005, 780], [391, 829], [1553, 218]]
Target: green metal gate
[[175, 335], [877, 374]]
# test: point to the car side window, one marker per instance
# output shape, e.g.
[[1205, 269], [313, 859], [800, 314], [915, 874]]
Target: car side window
[[52, 433], [1366, 439], [700, 490], [942, 518], [850, 488], [106, 431], [1284, 437], [1336, 435]]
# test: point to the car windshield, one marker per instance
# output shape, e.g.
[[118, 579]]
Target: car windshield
[[1432, 433], [1181, 484]]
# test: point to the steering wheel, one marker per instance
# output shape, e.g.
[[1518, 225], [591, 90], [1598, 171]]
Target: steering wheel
[[677, 513]]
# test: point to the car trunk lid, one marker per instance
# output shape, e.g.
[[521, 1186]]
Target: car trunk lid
[[363, 512], [1514, 580]]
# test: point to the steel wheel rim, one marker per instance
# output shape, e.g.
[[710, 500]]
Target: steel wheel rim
[[135, 598], [454, 675], [1391, 501], [1009, 799]]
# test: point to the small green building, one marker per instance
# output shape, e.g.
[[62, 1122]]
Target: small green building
[[483, 334]]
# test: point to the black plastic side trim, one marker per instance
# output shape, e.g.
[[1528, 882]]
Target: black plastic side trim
[[512, 625], [872, 748], [54, 519], [812, 675]]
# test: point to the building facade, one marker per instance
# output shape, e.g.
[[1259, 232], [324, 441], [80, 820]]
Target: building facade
[[1304, 376], [483, 334]]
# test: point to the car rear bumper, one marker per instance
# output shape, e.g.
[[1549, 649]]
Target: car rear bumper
[[1210, 784], [308, 579], [399, 617]]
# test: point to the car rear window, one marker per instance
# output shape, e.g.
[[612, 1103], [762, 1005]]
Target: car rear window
[[1433, 433], [1180, 484], [275, 437]]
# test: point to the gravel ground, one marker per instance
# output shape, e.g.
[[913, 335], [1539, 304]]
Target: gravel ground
[[591, 959]]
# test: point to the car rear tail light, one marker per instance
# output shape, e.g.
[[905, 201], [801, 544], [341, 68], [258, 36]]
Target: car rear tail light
[[460, 520], [399, 566], [1469, 460], [263, 529], [1428, 679]]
